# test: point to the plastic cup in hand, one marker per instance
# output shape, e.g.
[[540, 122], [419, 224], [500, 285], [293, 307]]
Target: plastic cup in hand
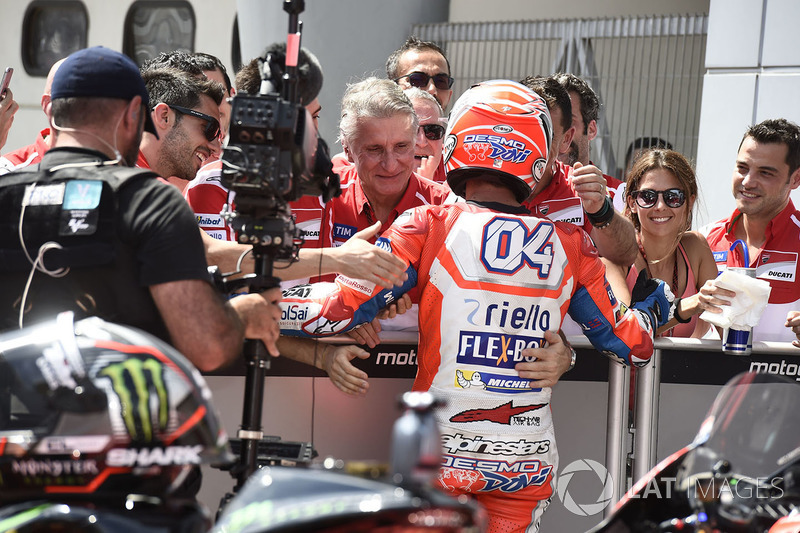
[[738, 341]]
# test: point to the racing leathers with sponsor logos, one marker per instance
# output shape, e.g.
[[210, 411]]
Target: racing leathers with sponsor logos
[[492, 280], [776, 263]]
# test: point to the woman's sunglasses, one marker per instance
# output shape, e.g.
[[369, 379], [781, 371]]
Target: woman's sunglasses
[[647, 198], [211, 130], [433, 132], [419, 79]]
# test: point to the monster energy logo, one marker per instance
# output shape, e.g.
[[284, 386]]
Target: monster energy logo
[[133, 381]]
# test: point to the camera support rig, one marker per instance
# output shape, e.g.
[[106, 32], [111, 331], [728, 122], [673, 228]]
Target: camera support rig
[[273, 156]]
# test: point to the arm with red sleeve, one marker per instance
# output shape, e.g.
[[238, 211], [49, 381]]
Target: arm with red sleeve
[[625, 334], [324, 309], [622, 333]]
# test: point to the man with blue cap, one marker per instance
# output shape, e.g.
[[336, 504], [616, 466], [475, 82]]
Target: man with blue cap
[[86, 233]]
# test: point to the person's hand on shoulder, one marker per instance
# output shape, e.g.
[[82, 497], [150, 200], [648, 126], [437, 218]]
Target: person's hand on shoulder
[[551, 361]]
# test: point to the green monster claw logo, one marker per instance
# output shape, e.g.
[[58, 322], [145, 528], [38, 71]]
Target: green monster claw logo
[[134, 380]]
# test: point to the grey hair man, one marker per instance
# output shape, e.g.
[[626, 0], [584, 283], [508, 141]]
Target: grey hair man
[[378, 132]]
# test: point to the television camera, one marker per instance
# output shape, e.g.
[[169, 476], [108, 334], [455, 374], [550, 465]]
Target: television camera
[[274, 154]]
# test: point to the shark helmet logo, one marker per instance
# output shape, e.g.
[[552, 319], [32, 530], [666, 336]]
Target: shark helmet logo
[[449, 146], [144, 403]]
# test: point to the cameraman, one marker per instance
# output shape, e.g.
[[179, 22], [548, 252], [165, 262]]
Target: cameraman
[[92, 236]]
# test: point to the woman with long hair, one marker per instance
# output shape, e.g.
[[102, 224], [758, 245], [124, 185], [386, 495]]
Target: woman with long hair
[[661, 191]]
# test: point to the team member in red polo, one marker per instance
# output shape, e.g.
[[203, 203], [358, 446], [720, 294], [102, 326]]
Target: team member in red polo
[[767, 169], [378, 132], [580, 194], [585, 109]]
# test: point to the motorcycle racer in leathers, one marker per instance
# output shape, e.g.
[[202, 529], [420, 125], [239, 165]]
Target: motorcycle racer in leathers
[[492, 279]]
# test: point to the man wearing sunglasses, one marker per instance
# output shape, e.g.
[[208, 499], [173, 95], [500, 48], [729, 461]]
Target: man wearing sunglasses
[[430, 135], [206, 194], [185, 112], [766, 220], [422, 64]]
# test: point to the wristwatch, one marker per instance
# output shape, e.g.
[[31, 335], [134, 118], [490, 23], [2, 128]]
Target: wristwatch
[[574, 357]]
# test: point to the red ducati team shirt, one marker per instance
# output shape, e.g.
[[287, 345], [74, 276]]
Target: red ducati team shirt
[[777, 264]]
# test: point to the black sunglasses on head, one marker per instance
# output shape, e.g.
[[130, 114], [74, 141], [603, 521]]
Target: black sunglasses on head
[[647, 198], [419, 79], [433, 132], [211, 130]]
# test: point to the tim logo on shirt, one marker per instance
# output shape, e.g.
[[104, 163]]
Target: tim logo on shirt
[[342, 232]]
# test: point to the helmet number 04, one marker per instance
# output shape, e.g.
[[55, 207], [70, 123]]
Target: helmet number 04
[[507, 245]]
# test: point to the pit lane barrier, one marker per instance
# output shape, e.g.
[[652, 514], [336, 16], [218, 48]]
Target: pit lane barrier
[[683, 361], [674, 361]]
